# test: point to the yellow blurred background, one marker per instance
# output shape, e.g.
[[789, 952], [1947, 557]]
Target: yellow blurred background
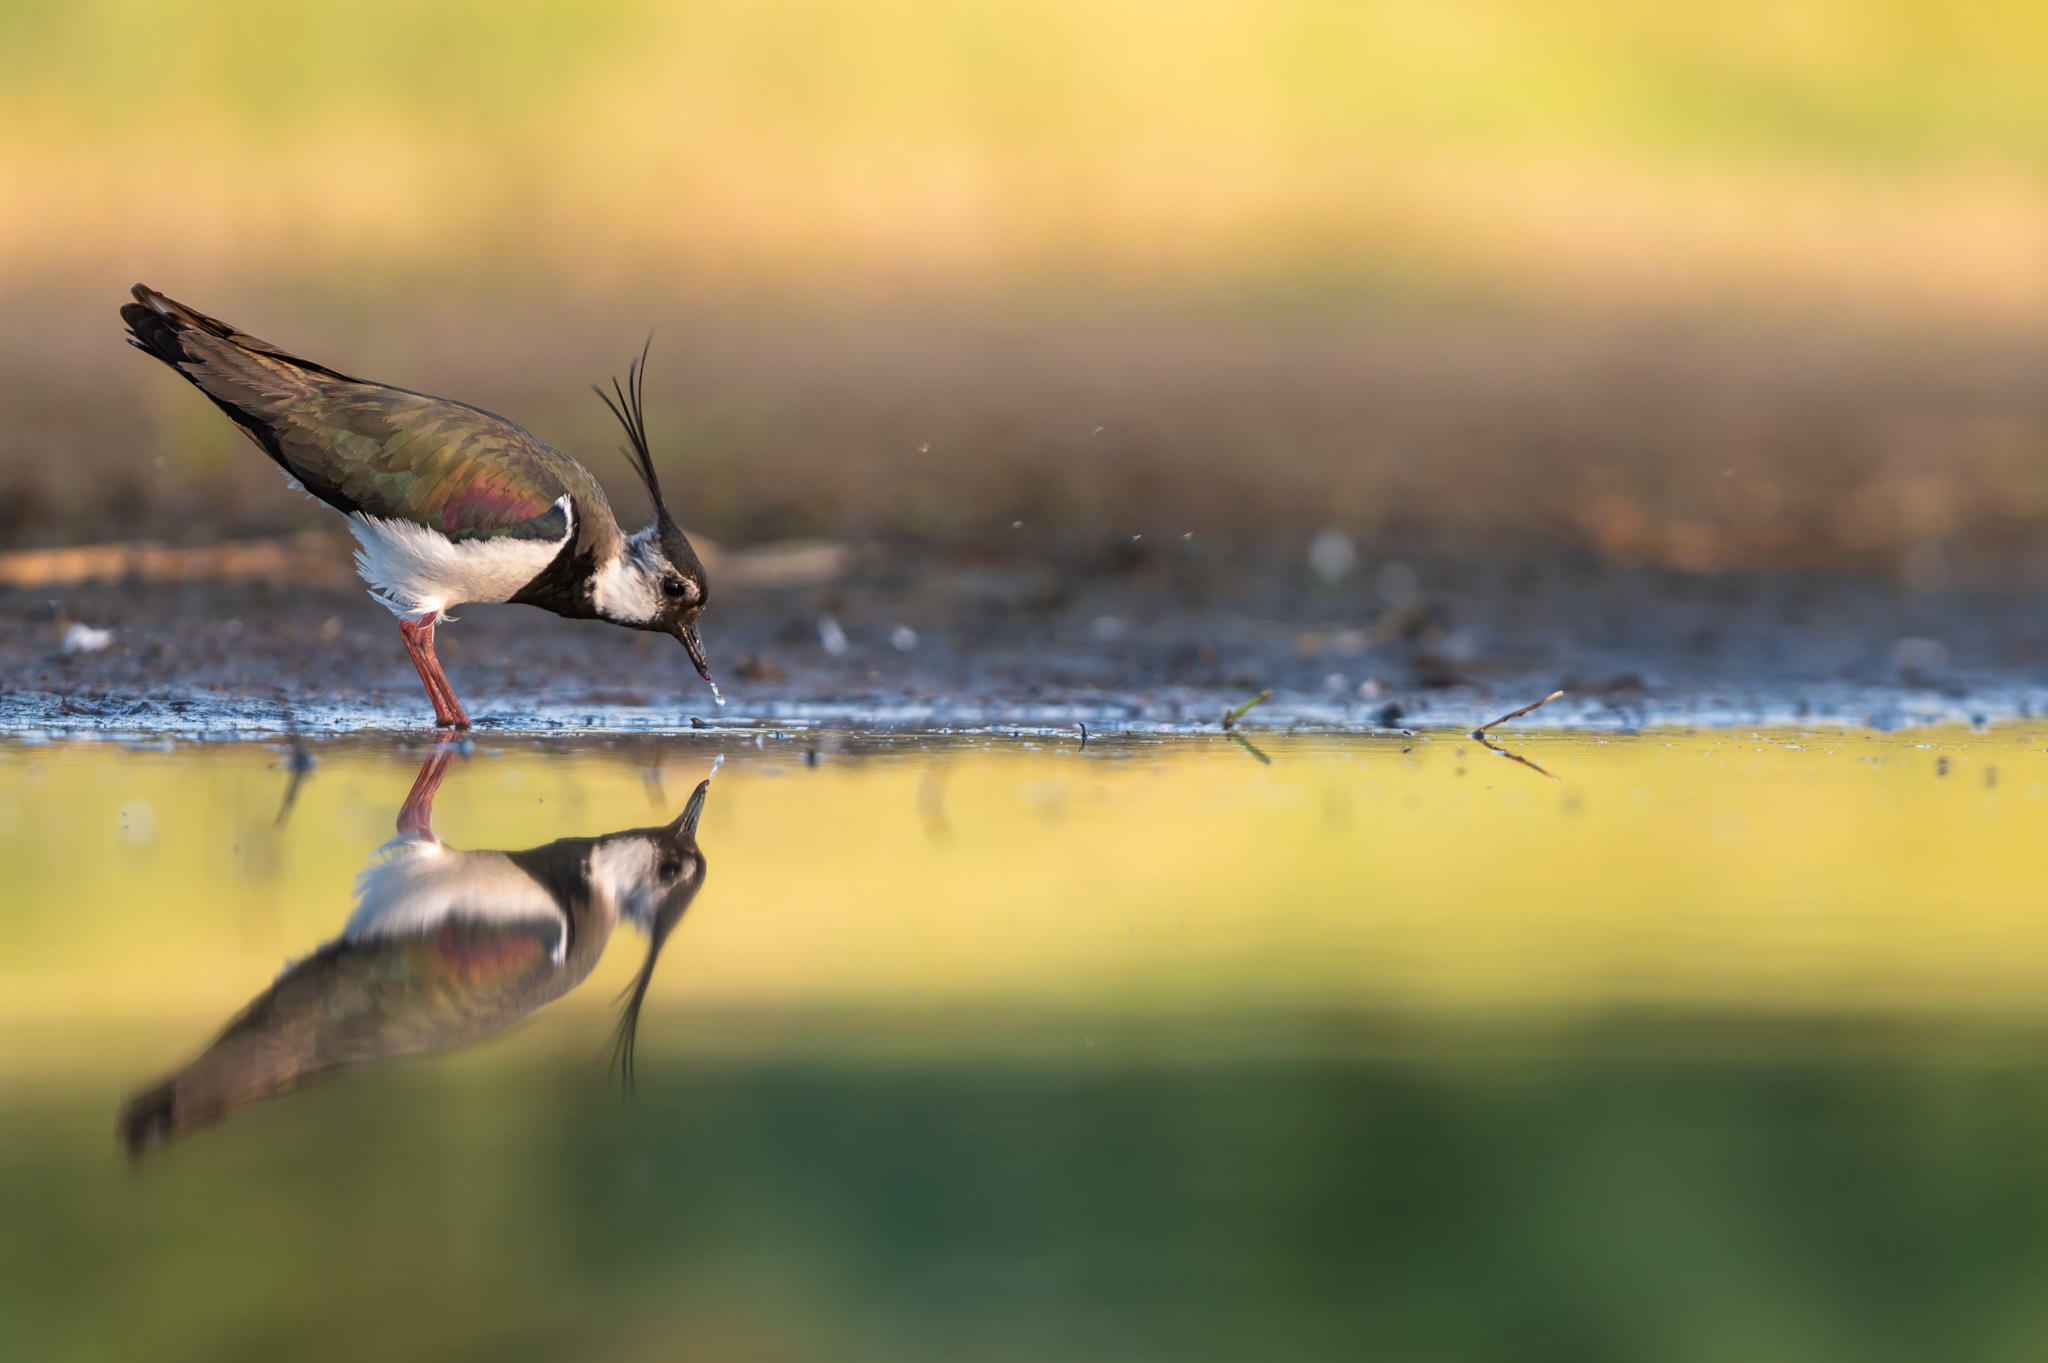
[[1886, 156], [1779, 873]]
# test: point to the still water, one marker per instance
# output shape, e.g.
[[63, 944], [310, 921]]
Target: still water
[[1707, 1045]]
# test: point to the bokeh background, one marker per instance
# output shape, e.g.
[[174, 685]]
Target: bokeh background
[[1755, 286]]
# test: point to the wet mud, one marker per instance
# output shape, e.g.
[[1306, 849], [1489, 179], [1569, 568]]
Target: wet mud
[[1174, 638]]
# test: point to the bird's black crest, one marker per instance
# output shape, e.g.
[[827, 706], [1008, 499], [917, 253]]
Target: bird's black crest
[[631, 411]]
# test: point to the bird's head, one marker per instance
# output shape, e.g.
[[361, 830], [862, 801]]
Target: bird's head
[[658, 582], [650, 874], [657, 872]]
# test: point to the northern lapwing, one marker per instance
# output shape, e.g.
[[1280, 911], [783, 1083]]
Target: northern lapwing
[[444, 947], [448, 503]]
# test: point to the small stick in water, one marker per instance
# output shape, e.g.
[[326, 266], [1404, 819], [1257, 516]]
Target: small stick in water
[[1084, 733], [1494, 747], [1516, 714], [1235, 715], [1246, 744]]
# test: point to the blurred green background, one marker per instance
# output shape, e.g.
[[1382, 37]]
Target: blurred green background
[[1836, 1203], [1708, 287]]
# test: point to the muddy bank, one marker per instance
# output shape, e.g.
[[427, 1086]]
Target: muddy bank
[[1172, 638]]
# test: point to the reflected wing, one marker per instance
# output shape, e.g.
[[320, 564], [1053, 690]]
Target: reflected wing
[[350, 1004], [444, 947]]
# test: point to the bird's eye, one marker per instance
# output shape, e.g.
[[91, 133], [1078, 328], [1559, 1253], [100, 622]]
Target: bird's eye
[[672, 586], [671, 869]]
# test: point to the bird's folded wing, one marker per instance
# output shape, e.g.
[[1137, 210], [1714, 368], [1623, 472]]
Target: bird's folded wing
[[401, 456], [364, 447]]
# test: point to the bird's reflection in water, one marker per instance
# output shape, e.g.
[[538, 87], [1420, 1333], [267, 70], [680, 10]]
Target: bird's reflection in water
[[444, 947]]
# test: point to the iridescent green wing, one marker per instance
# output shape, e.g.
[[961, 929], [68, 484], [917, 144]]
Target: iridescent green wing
[[364, 447], [402, 456], [348, 1005]]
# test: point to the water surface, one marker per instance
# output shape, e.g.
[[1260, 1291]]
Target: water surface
[[1707, 1045]]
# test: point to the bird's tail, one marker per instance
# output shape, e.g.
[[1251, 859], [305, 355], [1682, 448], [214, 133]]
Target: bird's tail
[[182, 336], [240, 1069], [251, 380]]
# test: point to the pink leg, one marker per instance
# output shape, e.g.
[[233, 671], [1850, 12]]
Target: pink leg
[[411, 631], [457, 717], [419, 642], [416, 816]]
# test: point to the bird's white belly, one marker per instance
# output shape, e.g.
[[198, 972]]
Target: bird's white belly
[[419, 572], [413, 886]]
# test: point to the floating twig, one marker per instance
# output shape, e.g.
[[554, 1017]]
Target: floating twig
[[1246, 744], [1494, 747], [1480, 732], [1233, 716]]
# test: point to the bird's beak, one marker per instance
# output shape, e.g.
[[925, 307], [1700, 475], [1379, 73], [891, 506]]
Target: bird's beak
[[695, 647], [686, 822]]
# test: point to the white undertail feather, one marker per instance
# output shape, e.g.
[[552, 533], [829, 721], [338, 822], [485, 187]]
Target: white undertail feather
[[414, 885], [420, 573]]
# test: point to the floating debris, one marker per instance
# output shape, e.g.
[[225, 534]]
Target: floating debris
[[1247, 745], [1480, 732], [1234, 716], [1499, 751], [82, 638], [1332, 557], [832, 636]]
